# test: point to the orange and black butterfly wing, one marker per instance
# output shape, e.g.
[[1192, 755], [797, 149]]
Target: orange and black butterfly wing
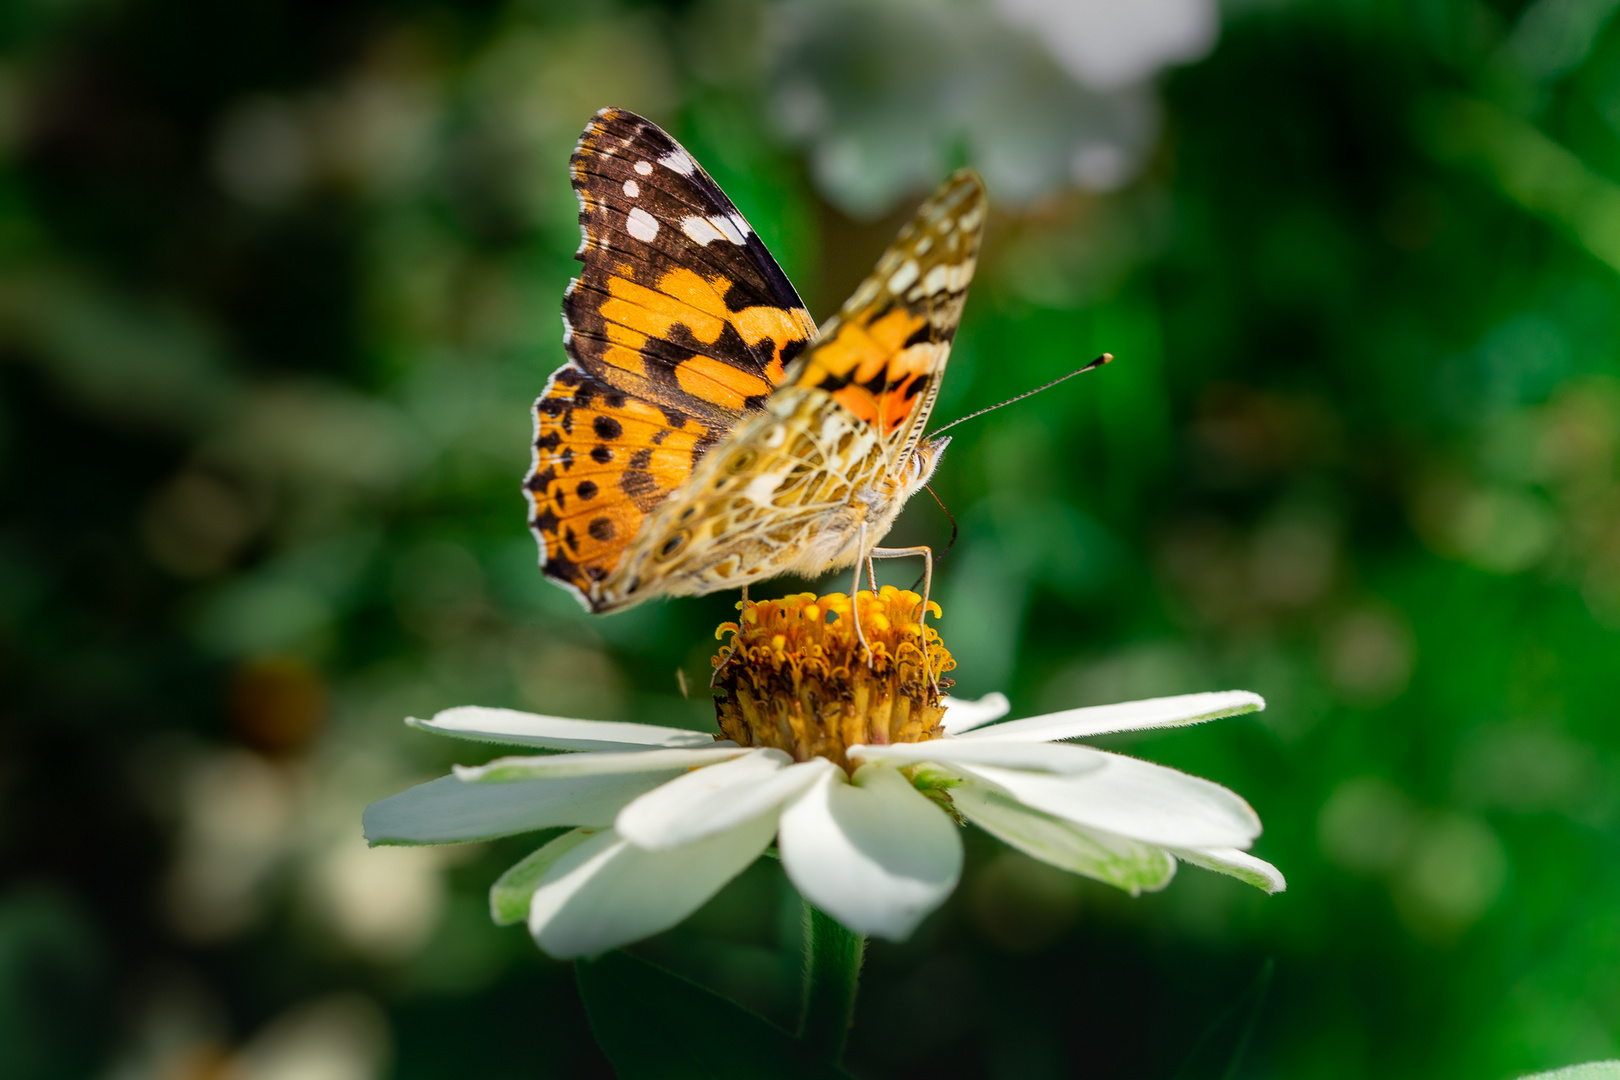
[[882, 356], [832, 452], [679, 325]]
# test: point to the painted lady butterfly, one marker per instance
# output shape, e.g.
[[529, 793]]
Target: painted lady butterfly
[[703, 434]]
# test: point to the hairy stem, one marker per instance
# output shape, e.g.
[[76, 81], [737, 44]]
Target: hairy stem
[[832, 974]]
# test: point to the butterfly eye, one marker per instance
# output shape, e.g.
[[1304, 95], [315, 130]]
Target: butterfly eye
[[742, 461]]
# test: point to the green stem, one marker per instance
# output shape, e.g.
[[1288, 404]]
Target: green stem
[[832, 974]]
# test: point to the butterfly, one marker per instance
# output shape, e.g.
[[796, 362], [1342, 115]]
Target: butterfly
[[704, 434]]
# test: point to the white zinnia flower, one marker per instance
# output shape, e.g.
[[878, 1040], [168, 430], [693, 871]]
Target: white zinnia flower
[[866, 826]]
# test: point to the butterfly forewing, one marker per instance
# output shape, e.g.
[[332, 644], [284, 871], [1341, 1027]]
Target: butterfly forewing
[[679, 298], [679, 325], [882, 356]]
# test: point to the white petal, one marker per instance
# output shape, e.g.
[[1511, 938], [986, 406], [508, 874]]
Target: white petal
[[594, 763], [607, 892], [962, 715], [1036, 757], [512, 728], [510, 895], [720, 797], [874, 854], [1126, 716], [1135, 799], [1238, 864], [448, 810], [1125, 864]]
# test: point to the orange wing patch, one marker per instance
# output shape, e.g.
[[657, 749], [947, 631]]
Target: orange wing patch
[[709, 379], [686, 306], [602, 463]]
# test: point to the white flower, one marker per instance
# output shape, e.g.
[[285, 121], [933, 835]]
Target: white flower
[[1041, 94], [1107, 44], [662, 818]]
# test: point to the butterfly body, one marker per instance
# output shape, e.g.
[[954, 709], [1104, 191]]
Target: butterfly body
[[704, 435]]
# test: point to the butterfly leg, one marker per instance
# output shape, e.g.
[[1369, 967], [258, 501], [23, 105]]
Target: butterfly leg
[[722, 665], [927, 554], [855, 593]]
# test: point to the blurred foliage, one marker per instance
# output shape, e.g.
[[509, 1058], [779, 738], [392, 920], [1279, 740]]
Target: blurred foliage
[[278, 282]]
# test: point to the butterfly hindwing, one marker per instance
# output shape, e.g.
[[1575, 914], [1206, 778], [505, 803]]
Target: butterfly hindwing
[[679, 325]]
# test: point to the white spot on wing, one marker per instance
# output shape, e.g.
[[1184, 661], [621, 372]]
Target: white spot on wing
[[761, 488], [728, 229], [902, 278], [631, 188], [936, 279], [644, 168], [742, 226], [703, 230], [962, 274], [677, 161], [641, 225], [700, 230]]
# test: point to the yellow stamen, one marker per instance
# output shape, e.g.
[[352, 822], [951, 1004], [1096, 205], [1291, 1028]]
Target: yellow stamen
[[795, 676]]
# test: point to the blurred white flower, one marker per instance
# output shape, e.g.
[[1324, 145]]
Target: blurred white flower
[[1039, 94], [1106, 44], [340, 1037], [867, 830], [236, 823], [385, 909]]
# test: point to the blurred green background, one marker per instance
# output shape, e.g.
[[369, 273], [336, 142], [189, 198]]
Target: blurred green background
[[279, 280]]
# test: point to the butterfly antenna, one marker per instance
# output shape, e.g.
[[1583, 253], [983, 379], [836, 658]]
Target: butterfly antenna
[[948, 544], [1105, 358]]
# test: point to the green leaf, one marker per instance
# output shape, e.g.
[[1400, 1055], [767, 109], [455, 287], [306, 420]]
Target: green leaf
[[509, 896], [654, 1025], [1592, 1070]]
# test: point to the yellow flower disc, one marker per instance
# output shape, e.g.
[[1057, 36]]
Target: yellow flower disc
[[796, 676]]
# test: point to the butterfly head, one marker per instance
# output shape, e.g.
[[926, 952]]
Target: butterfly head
[[924, 460]]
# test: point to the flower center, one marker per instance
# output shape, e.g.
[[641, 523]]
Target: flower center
[[795, 674]]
